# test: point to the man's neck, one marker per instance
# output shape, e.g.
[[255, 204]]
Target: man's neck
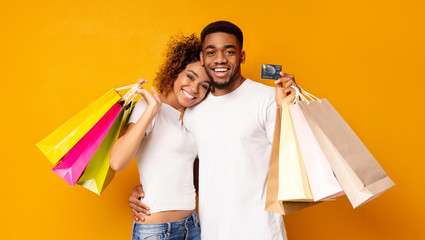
[[232, 87]]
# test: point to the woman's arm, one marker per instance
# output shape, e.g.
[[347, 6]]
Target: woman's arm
[[125, 148]]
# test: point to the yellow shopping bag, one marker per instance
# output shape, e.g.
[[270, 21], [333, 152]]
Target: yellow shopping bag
[[293, 181], [60, 141], [273, 203]]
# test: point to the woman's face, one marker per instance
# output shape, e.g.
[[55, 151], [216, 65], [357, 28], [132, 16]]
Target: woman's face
[[191, 85]]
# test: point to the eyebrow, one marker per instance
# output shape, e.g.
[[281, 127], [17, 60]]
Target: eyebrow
[[225, 46], [230, 46], [210, 46], [194, 73]]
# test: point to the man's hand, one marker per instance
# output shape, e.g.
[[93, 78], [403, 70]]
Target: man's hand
[[138, 208], [284, 91]]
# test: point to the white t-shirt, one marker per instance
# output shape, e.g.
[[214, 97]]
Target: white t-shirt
[[165, 161], [234, 135]]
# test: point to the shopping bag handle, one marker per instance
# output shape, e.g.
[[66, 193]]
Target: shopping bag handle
[[131, 94], [301, 94]]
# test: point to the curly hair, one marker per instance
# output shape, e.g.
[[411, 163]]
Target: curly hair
[[181, 51]]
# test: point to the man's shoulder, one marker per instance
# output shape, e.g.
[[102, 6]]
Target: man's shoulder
[[259, 92], [260, 87]]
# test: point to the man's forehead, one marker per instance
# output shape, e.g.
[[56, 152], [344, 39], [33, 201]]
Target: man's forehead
[[220, 39]]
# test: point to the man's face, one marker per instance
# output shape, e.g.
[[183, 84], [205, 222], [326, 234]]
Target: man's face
[[221, 56]]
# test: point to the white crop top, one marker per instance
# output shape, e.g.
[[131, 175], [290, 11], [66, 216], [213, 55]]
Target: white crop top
[[165, 160]]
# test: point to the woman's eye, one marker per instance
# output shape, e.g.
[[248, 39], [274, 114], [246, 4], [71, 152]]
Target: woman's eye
[[205, 86], [190, 77]]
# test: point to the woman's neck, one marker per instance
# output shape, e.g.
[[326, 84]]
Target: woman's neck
[[171, 99]]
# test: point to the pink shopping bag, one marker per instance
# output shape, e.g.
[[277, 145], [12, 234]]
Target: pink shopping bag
[[75, 161], [322, 180]]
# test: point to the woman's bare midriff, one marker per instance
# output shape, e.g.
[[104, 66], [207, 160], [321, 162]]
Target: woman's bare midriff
[[167, 216]]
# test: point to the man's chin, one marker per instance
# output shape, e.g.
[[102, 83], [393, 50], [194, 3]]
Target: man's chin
[[221, 85]]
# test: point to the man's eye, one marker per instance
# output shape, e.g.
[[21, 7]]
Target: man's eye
[[230, 52], [210, 53]]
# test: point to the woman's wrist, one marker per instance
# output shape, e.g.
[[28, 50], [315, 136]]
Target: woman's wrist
[[151, 112]]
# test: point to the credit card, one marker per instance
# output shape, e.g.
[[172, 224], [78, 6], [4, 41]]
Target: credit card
[[270, 71]]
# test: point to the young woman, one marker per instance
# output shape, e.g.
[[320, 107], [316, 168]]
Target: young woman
[[164, 150]]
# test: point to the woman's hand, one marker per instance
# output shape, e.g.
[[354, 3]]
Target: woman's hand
[[284, 91], [153, 100]]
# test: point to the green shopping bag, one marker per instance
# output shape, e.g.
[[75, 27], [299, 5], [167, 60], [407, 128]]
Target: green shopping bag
[[98, 174]]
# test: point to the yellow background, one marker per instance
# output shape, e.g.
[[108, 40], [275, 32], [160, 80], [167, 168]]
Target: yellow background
[[366, 57]]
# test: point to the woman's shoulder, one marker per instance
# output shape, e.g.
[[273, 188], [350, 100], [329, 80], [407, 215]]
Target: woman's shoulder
[[138, 110], [141, 104]]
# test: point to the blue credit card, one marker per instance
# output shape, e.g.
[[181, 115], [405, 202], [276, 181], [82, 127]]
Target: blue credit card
[[270, 71]]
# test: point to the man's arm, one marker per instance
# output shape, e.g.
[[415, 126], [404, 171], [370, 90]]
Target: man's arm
[[138, 208], [284, 93]]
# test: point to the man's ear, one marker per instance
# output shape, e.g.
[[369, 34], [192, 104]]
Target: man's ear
[[243, 55], [201, 59]]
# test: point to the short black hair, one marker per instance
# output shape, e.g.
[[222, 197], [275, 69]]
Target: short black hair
[[222, 26]]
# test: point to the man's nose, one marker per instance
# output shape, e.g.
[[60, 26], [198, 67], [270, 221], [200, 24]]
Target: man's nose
[[220, 58]]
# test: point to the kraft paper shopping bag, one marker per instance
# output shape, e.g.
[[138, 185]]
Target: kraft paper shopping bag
[[360, 175]]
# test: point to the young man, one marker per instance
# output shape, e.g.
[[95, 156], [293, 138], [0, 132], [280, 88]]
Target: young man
[[233, 128]]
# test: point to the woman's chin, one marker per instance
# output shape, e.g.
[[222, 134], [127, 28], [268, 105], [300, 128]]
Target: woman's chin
[[186, 105], [185, 102]]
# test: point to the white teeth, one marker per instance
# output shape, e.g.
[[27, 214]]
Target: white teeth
[[188, 95], [220, 70]]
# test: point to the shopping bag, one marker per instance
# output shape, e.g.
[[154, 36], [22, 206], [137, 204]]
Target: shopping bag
[[273, 204], [75, 161], [293, 181], [59, 142], [98, 174], [357, 171], [322, 180]]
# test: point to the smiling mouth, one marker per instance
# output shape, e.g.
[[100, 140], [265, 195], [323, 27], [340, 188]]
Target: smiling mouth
[[188, 95], [221, 70]]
